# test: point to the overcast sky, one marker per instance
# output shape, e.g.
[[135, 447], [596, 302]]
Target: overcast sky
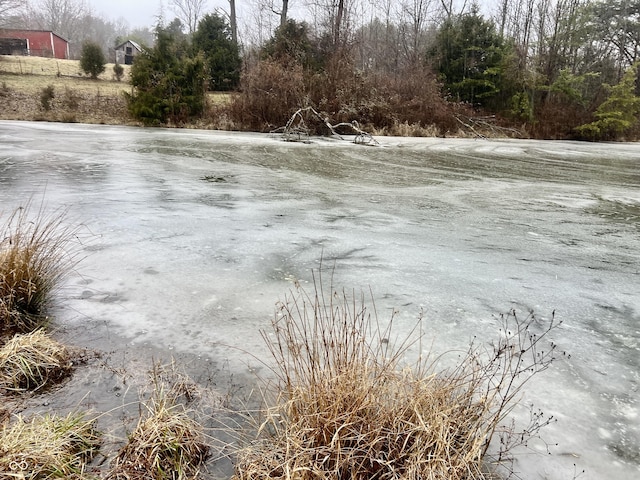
[[141, 13]]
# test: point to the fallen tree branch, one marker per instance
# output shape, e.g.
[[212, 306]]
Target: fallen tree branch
[[296, 129]]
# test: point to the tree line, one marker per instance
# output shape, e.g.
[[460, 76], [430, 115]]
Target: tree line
[[548, 68]]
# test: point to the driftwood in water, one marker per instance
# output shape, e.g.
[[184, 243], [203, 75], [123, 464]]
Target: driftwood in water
[[296, 129]]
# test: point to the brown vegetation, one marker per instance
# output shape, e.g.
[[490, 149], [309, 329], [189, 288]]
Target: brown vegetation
[[273, 90], [32, 361], [167, 443], [35, 254], [407, 103], [348, 407], [47, 447]]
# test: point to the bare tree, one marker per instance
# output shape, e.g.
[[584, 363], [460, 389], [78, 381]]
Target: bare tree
[[332, 16], [189, 12], [9, 8], [413, 21], [65, 17], [258, 24], [449, 8]]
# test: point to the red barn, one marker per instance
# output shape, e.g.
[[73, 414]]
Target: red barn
[[40, 43]]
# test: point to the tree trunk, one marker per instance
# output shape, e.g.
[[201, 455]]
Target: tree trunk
[[339, 15], [283, 13], [233, 21]]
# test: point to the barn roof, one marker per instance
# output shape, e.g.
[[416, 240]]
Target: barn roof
[[138, 47], [8, 31]]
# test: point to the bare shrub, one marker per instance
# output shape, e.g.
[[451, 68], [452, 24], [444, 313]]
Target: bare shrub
[[47, 94], [346, 406], [558, 120], [271, 92], [71, 99], [409, 130], [118, 72], [416, 98]]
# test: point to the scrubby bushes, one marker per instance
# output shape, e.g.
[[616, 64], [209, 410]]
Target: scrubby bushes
[[118, 71], [349, 406], [47, 94], [271, 92], [273, 89]]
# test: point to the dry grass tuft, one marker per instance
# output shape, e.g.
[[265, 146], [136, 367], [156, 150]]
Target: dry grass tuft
[[47, 447], [32, 361], [347, 407], [166, 444], [34, 257]]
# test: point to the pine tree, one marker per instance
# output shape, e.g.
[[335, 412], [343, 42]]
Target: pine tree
[[169, 84], [214, 40], [618, 113], [92, 59]]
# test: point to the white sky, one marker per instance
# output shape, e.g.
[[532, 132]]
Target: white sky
[[142, 13]]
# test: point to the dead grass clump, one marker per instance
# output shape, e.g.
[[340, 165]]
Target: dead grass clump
[[47, 447], [409, 130], [347, 407], [32, 361], [166, 444], [35, 255]]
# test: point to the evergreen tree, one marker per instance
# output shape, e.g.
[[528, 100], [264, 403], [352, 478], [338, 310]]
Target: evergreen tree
[[169, 85], [469, 54], [213, 40], [92, 59], [618, 113], [291, 43]]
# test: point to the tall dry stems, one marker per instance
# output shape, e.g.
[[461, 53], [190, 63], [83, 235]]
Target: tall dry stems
[[347, 405], [35, 254]]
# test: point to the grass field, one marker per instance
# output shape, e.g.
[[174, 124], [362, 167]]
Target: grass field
[[76, 97], [29, 73]]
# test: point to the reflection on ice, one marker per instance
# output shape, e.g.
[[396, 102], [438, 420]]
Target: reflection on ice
[[197, 234]]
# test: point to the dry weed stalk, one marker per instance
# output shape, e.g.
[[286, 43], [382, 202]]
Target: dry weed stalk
[[167, 443], [35, 255], [348, 408], [47, 447], [32, 361]]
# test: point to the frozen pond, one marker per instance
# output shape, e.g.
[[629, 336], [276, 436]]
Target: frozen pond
[[196, 235]]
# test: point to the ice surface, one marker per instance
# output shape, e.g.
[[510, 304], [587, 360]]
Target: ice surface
[[191, 237]]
